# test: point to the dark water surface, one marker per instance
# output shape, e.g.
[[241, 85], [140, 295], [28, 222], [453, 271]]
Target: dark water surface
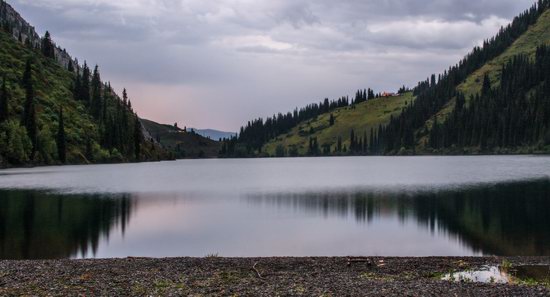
[[416, 206]]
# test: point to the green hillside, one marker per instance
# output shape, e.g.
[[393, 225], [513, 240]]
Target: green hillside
[[495, 100], [181, 143], [538, 34], [31, 136], [361, 117], [535, 36]]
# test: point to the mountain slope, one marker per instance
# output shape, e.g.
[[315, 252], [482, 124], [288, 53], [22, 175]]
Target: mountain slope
[[499, 88], [214, 134], [181, 143], [41, 87], [361, 118], [538, 34]]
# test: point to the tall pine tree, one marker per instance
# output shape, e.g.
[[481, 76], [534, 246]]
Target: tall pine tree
[[61, 139], [4, 100], [85, 85], [47, 46], [29, 111], [138, 139], [96, 94]]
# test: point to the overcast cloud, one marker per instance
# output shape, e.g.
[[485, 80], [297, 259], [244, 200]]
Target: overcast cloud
[[217, 64]]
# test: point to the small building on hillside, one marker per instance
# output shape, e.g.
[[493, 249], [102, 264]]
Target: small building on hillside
[[389, 94]]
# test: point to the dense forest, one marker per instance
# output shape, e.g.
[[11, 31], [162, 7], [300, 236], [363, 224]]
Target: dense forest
[[256, 133], [515, 113], [434, 93], [182, 143], [509, 116], [54, 110]]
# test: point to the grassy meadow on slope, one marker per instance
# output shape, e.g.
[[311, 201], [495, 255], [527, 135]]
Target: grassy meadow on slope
[[527, 44], [538, 34], [359, 117]]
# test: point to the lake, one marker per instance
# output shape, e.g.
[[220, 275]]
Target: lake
[[379, 206]]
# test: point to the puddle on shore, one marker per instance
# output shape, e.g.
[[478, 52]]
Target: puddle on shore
[[527, 274]]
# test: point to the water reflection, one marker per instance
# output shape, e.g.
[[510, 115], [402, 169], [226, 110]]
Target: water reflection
[[36, 225], [499, 219]]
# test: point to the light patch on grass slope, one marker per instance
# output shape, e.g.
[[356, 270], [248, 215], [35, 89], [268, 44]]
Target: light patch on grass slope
[[361, 118]]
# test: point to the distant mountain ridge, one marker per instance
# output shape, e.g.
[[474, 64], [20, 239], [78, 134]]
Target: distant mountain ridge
[[182, 143], [214, 134]]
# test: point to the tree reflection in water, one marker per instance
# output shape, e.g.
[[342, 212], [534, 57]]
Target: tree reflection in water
[[37, 225], [501, 219]]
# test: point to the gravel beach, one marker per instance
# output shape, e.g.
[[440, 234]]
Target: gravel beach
[[215, 276]]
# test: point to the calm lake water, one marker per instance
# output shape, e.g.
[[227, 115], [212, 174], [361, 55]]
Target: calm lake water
[[385, 206]]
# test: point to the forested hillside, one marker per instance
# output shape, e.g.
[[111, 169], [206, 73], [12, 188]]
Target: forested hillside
[[441, 98], [344, 131], [303, 126], [182, 143], [495, 100], [54, 110]]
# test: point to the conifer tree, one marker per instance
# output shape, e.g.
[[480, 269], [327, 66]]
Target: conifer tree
[[61, 139], [70, 66], [352, 141], [29, 111], [89, 150], [125, 97], [371, 142], [77, 90], [47, 46], [85, 85], [486, 88], [96, 94], [138, 138], [4, 101], [364, 147]]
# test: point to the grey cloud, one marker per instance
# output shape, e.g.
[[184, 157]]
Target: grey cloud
[[268, 55]]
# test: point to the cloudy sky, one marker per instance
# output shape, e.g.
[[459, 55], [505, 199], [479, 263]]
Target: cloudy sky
[[218, 63]]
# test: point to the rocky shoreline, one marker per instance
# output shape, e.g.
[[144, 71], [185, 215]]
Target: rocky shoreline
[[215, 276]]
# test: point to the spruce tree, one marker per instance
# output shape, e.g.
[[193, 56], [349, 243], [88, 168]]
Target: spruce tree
[[70, 66], [47, 46], [138, 138], [89, 150], [486, 85], [61, 139], [96, 94], [29, 111], [371, 145], [352, 141], [125, 97], [85, 85], [4, 100], [77, 91]]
